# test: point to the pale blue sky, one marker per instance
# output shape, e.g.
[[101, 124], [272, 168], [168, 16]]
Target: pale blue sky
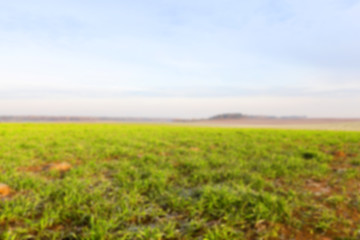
[[180, 58]]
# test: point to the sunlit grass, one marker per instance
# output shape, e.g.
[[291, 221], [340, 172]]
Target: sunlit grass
[[166, 182]]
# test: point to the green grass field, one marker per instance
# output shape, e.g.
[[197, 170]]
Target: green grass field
[[171, 182]]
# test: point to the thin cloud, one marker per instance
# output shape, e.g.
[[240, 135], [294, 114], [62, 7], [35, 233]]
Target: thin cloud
[[185, 49]]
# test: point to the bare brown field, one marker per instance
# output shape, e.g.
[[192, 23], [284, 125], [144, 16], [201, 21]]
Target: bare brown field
[[316, 124]]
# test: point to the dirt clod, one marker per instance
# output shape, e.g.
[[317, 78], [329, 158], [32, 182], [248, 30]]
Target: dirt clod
[[60, 167], [4, 190], [340, 154], [195, 149]]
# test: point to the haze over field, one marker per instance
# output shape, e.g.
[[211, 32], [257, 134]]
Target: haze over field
[[187, 59]]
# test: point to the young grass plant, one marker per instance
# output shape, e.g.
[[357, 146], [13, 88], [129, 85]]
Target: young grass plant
[[167, 182]]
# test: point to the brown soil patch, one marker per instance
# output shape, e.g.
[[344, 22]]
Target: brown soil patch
[[31, 169], [60, 167], [309, 123], [340, 154], [5, 190], [56, 227], [291, 233], [318, 188], [195, 149], [306, 233]]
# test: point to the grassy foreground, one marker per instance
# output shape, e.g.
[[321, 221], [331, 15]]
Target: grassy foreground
[[166, 182]]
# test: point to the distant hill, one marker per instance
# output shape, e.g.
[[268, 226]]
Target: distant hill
[[233, 116], [227, 116]]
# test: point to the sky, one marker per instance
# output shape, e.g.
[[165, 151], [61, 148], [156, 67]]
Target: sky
[[183, 59]]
